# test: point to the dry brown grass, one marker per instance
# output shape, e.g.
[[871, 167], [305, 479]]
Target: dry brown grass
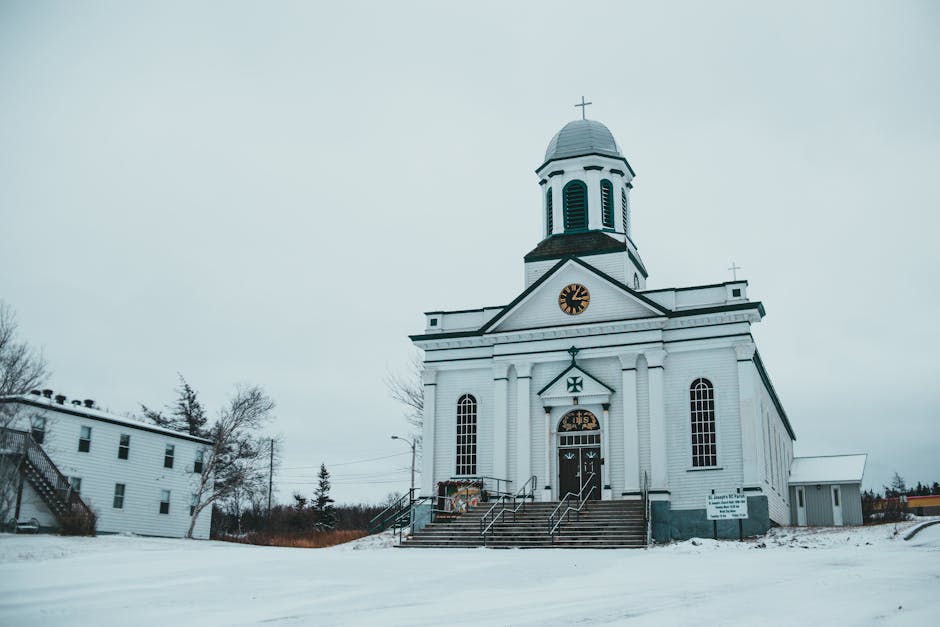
[[299, 539]]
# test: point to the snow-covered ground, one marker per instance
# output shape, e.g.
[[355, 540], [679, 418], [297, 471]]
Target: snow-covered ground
[[792, 577]]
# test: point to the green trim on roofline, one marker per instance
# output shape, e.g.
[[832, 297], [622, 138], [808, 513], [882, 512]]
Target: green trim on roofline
[[588, 154], [569, 369], [759, 363], [639, 264]]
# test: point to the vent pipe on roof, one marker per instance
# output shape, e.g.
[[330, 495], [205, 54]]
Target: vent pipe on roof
[[89, 403], [60, 399], [47, 393]]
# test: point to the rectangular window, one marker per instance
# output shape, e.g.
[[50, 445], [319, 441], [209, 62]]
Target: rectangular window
[[84, 440], [168, 456], [76, 484], [197, 465], [38, 429], [192, 503], [835, 497], [124, 446], [799, 494], [164, 501], [118, 496]]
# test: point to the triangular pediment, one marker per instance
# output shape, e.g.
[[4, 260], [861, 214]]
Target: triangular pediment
[[538, 306], [575, 383]]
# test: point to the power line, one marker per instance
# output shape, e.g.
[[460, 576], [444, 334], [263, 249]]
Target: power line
[[356, 461]]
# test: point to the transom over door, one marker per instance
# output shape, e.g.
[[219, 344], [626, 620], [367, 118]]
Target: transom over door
[[579, 468]]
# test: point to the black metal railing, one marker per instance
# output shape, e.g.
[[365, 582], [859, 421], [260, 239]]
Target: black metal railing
[[499, 508], [557, 516]]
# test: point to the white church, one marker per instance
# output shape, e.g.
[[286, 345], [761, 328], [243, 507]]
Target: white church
[[593, 383]]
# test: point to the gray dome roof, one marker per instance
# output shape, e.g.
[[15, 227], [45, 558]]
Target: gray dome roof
[[582, 137]]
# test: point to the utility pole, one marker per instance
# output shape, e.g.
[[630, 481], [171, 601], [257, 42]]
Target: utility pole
[[270, 477], [412, 444]]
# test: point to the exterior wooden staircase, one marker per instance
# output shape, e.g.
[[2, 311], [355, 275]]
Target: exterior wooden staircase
[[600, 525], [42, 474]]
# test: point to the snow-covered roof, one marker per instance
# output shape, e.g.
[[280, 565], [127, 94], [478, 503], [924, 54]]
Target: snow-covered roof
[[828, 469], [96, 414]]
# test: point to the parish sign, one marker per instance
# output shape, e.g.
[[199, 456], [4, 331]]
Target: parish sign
[[726, 506]]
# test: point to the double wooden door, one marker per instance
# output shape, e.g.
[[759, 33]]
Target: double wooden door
[[579, 467]]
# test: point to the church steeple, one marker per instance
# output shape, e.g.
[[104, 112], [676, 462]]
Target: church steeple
[[586, 183]]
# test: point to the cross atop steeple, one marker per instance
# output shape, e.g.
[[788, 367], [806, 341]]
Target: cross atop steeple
[[573, 351], [734, 270], [583, 106]]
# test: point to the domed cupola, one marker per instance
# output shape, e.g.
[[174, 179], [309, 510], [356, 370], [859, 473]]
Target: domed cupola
[[580, 138], [586, 183]]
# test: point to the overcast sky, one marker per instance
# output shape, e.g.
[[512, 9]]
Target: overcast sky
[[274, 193]]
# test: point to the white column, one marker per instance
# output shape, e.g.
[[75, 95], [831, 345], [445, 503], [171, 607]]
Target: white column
[[631, 424], [427, 437], [523, 426], [501, 422], [749, 412], [547, 481], [654, 360], [606, 492]]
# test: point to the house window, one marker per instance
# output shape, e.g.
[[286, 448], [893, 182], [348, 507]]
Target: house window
[[623, 208], [38, 429], [200, 456], [704, 447], [84, 440], [164, 501], [76, 484], [168, 456], [193, 501], [466, 435], [549, 226], [607, 204], [124, 446], [575, 206], [118, 496]]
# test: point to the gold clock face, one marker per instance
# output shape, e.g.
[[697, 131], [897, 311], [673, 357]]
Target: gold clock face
[[574, 299]]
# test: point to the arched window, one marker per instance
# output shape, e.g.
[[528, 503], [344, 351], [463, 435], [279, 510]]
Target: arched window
[[607, 204], [575, 206], [636, 281], [623, 208], [548, 212], [466, 435], [704, 447]]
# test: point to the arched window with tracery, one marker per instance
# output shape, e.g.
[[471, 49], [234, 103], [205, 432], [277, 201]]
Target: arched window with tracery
[[704, 444], [548, 213], [575, 205], [466, 435], [607, 204]]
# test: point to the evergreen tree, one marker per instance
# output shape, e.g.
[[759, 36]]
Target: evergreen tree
[[322, 503], [936, 488], [188, 411], [300, 501]]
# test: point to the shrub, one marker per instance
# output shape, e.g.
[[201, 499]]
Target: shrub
[[298, 539], [78, 524]]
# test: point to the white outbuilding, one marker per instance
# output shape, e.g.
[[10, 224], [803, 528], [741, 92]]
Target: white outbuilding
[[827, 490], [136, 477]]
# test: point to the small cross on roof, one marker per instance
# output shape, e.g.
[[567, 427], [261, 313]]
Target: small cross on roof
[[583, 106]]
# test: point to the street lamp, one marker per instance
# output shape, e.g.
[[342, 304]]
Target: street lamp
[[411, 443]]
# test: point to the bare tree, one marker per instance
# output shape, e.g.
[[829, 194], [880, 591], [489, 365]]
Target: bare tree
[[22, 368], [235, 463], [408, 389]]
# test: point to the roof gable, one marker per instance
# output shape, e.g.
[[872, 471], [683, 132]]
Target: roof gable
[[537, 306], [574, 382]]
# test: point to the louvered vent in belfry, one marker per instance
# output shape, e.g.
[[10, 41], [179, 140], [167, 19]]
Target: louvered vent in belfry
[[575, 194], [607, 204], [548, 212], [623, 208]]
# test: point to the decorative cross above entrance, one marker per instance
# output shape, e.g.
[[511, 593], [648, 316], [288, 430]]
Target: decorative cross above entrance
[[575, 384]]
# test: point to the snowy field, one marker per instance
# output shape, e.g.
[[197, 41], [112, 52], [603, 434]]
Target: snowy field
[[792, 577]]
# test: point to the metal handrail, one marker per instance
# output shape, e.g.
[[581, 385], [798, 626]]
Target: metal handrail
[[581, 501], [525, 493], [384, 519], [646, 506]]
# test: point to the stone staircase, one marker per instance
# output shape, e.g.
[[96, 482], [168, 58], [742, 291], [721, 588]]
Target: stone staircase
[[600, 525]]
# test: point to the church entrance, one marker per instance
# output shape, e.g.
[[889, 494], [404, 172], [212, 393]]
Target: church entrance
[[579, 455]]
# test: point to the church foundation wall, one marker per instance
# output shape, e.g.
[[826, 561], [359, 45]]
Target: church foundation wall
[[681, 524]]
